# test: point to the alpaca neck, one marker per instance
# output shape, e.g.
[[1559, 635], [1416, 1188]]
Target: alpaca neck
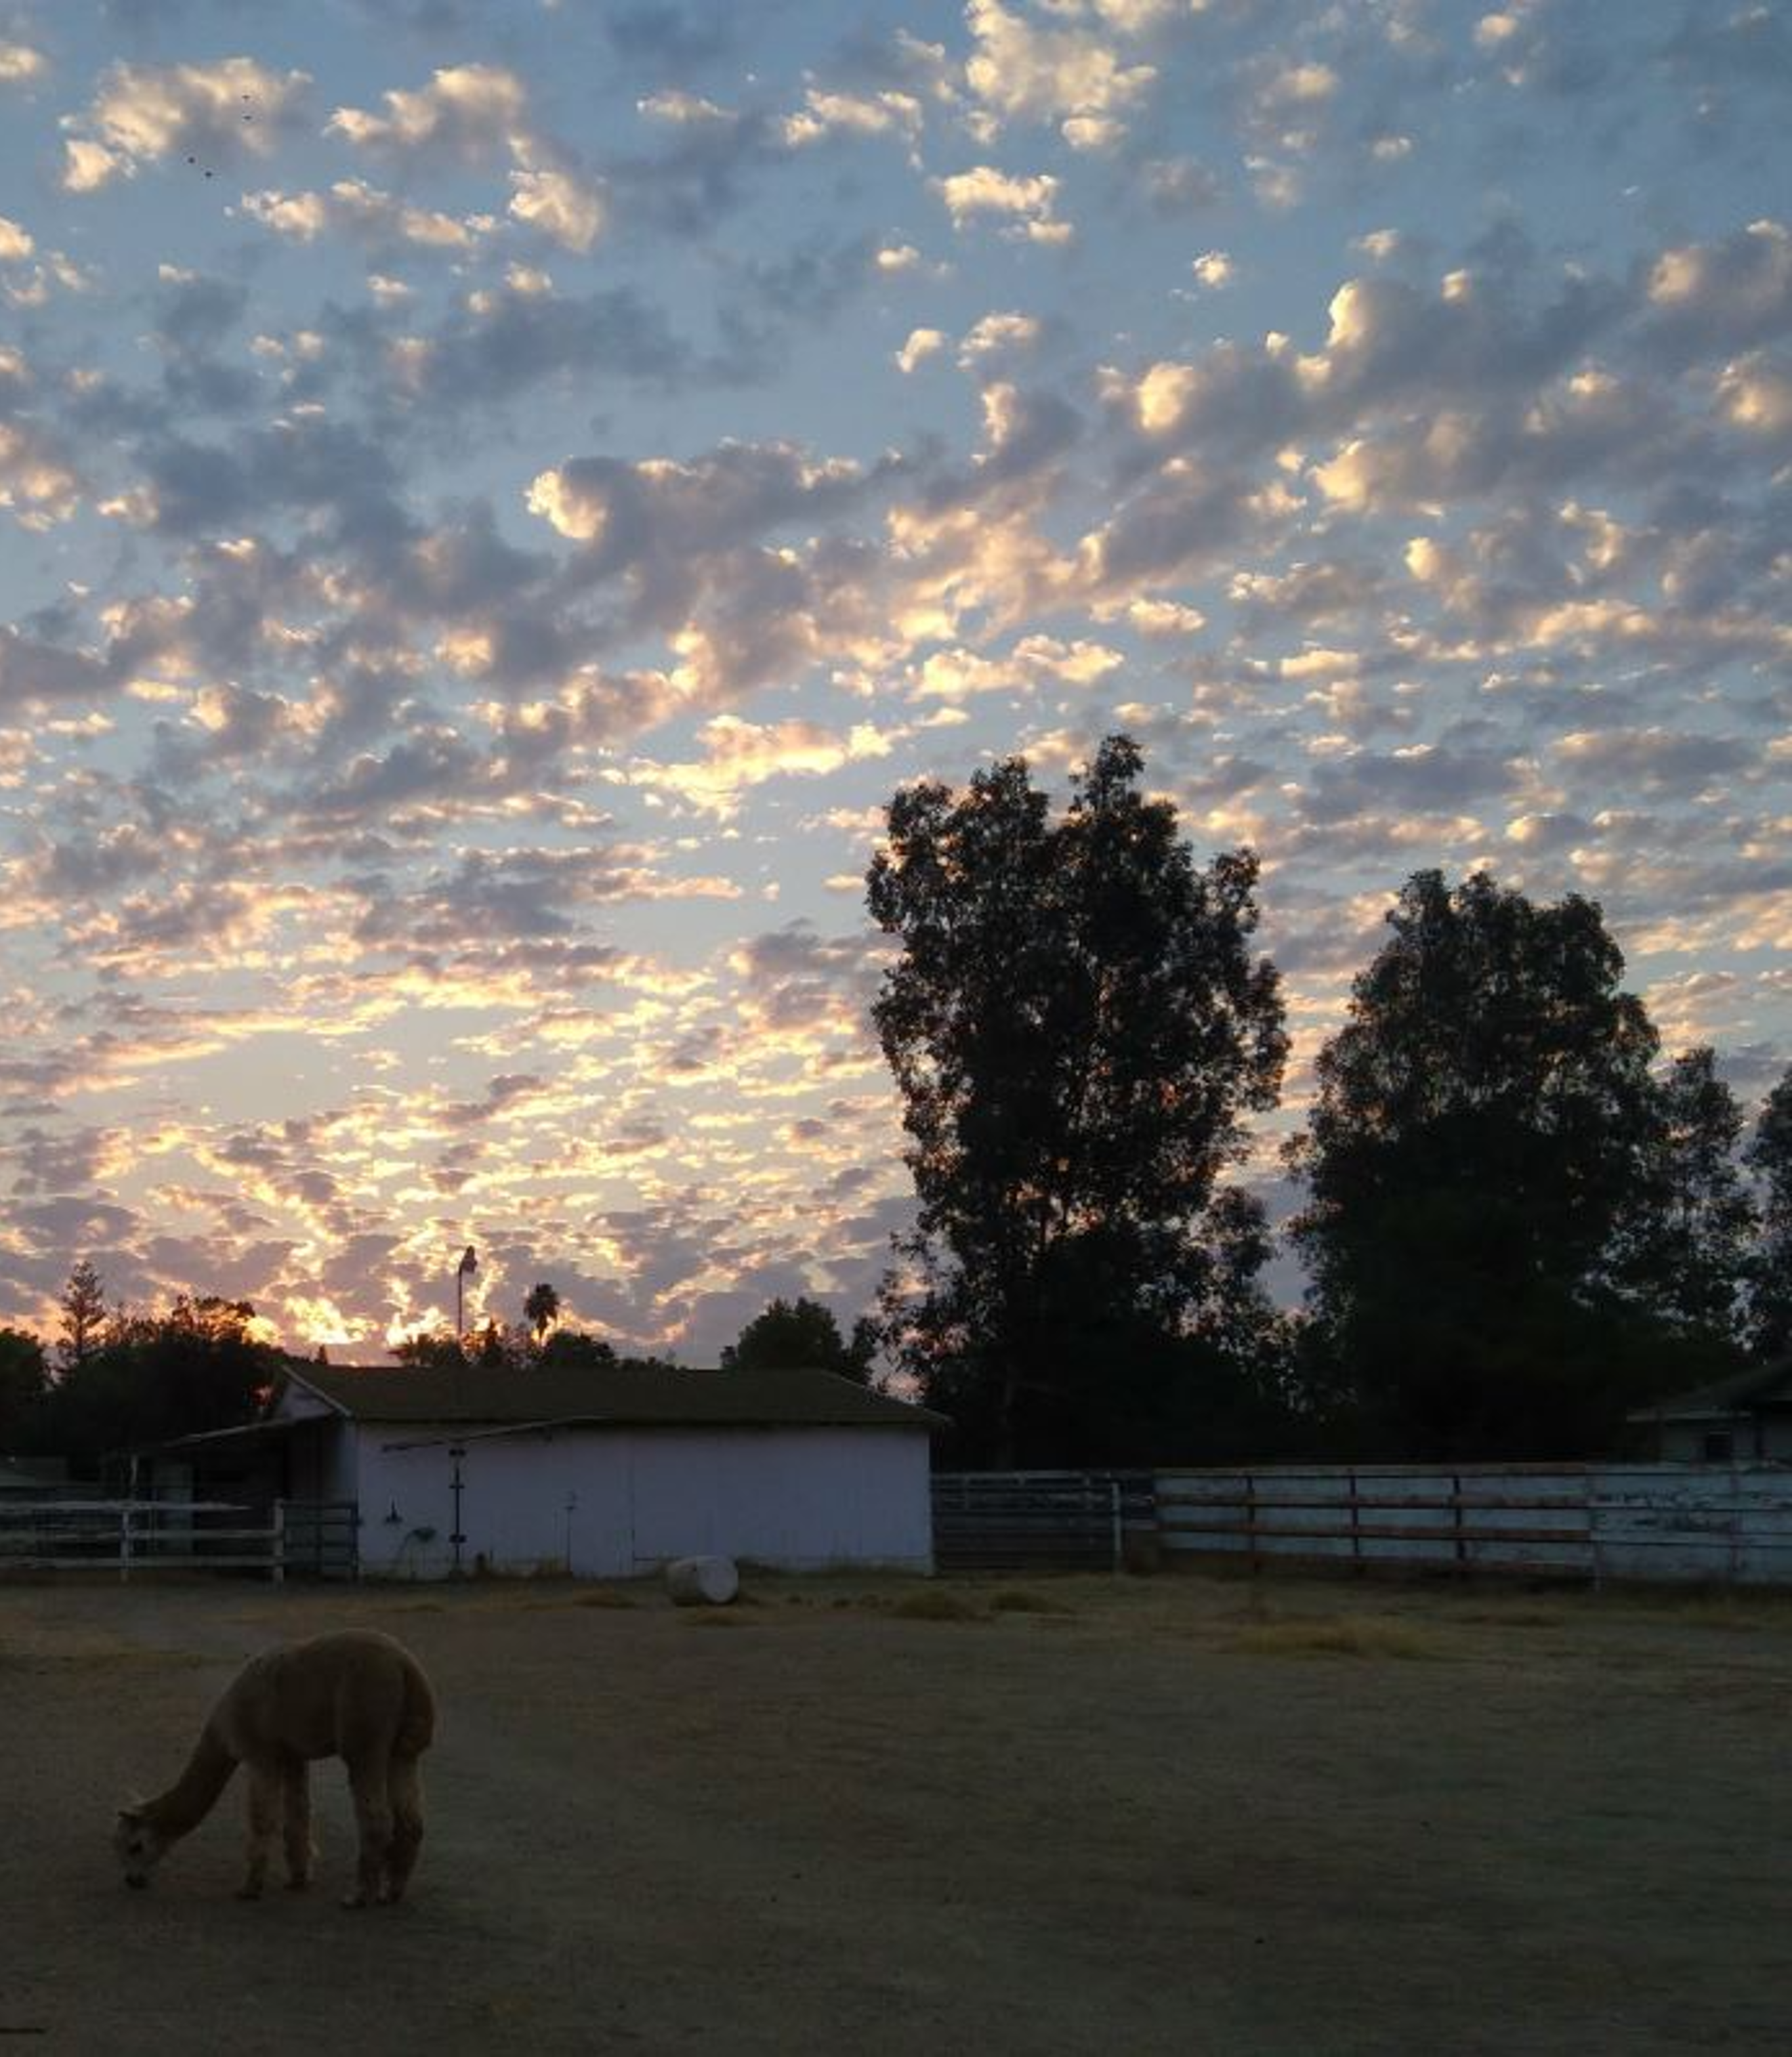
[[195, 1792]]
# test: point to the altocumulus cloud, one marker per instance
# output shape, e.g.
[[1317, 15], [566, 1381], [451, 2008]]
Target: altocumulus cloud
[[481, 559]]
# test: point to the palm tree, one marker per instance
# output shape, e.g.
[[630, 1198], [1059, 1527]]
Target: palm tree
[[541, 1310]]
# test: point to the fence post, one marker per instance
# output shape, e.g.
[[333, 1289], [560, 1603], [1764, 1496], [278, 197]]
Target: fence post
[[1589, 1480], [125, 1545], [1461, 1545], [1250, 1520], [1356, 1523], [1119, 1538], [277, 1555], [1737, 1521]]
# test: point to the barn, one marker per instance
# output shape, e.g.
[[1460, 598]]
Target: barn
[[598, 1473], [1746, 1418]]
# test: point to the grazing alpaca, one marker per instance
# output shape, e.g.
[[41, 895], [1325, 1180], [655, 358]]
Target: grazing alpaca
[[359, 1696]]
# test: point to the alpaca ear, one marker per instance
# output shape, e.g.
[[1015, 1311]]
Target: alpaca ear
[[132, 1811]]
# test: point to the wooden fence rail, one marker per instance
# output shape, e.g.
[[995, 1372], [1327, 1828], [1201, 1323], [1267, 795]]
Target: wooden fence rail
[[136, 1535], [1724, 1523], [1721, 1523]]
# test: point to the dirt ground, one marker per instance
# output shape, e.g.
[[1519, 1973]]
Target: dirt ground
[[1185, 1813]]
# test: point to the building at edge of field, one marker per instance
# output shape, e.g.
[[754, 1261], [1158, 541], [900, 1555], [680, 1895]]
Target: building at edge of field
[[1746, 1418], [599, 1473]]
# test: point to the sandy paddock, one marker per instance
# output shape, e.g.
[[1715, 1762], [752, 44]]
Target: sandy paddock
[[1182, 1814]]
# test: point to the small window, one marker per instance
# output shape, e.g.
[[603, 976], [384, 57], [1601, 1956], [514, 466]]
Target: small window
[[1720, 1447]]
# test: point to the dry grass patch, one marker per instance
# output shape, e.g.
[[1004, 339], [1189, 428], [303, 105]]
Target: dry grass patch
[[933, 1603], [1734, 1613], [1016, 1600], [1338, 1635], [1513, 1618]]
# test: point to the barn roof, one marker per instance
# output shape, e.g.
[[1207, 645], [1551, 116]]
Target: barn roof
[[582, 1396], [1759, 1388]]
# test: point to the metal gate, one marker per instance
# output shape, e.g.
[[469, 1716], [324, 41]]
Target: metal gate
[[1020, 1521]]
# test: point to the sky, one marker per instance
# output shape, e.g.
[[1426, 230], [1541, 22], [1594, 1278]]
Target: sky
[[496, 498]]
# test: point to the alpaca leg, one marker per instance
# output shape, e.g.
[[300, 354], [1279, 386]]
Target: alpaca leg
[[296, 1785], [264, 1818], [405, 1786], [372, 1815]]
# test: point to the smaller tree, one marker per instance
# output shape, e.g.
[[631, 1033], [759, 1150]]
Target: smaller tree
[[83, 1315], [1684, 1254], [577, 1349], [1484, 1160], [197, 1367], [541, 1309], [1768, 1156], [430, 1350], [802, 1334], [24, 1383]]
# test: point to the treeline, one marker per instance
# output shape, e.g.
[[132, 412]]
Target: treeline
[[115, 1380], [1518, 1223], [788, 1333]]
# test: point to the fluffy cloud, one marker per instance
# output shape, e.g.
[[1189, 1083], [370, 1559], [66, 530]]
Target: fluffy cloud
[[998, 335], [956, 674], [353, 208], [827, 114], [37, 486], [1725, 294], [631, 513], [1026, 204], [1755, 393], [212, 112], [738, 753], [471, 112], [921, 344], [465, 111], [565, 210], [1073, 75]]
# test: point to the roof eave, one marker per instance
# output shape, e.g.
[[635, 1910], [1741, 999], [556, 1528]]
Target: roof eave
[[476, 1430]]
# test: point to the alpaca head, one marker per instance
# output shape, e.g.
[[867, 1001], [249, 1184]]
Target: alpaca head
[[138, 1845]]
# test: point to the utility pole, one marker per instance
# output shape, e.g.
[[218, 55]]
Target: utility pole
[[463, 1271]]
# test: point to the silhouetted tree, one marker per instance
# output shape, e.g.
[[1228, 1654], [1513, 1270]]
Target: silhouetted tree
[[24, 1384], [802, 1333], [1684, 1250], [541, 1309], [1078, 1029], [1768, 1156], [197, 1367], [576, 1349], [1487, 1164], [430, 1350], [84, 1314]]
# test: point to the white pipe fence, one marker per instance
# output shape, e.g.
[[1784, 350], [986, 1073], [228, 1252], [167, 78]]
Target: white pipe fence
[[133, 1536]]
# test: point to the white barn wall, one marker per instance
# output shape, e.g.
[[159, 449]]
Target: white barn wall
[[803, 1499], [798, 1499]]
